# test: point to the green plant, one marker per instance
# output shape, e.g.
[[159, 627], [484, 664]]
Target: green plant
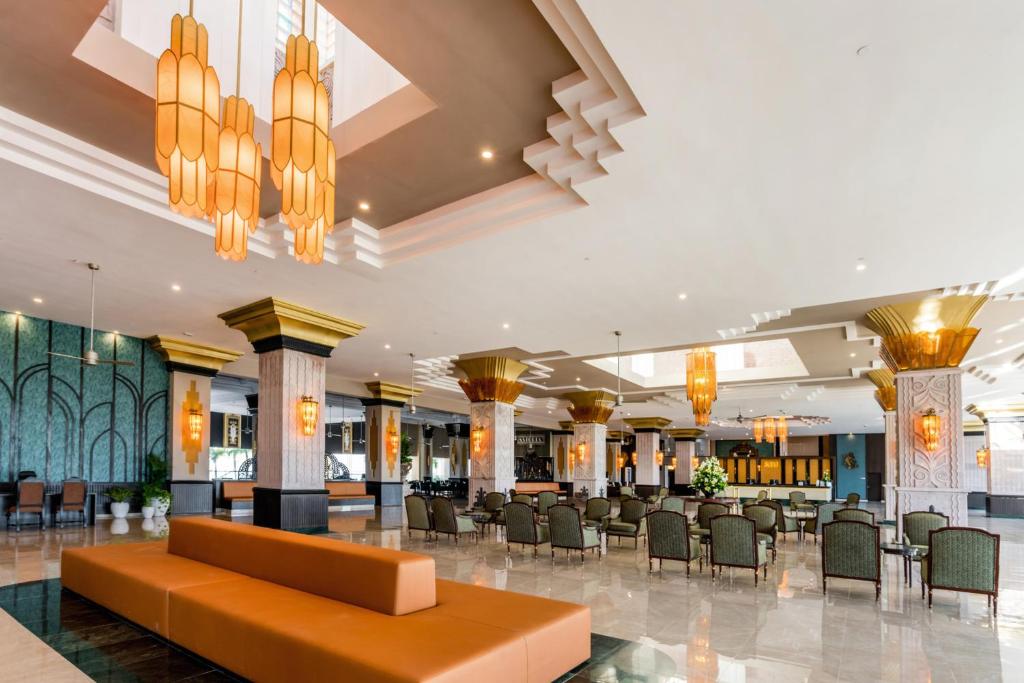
[[827, 478], [709, 477], [406, 449], [156, 469], [120, 494], [155, 491]]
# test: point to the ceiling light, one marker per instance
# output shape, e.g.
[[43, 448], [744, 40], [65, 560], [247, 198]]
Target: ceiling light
[[505, 325], [861, 266], [364, 206], [701, 383], [577, 379], [998, 341], [188, 334], [376, 374], [37, 300], [176, 287], [17, 313], [486, 154], [116, 332], [682, 296], [853, 355], [387, 346]]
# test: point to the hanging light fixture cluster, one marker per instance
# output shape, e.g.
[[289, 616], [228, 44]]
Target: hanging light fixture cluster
[[214, 171], [768, 428], [701, 383]]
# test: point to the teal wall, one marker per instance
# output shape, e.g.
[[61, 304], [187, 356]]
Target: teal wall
[[855, 480], [723, 446], [62, 419]]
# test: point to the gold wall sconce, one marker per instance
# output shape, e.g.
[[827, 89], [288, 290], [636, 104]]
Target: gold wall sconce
[[581, 452], [195, 425], [309, 409], [477, 435], [983, 455], [931, 424]]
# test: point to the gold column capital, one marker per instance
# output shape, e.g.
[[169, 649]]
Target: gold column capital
[[388, 391], [994, 411], [271, 324], [928, 334], [491, 378], [885, 393], [593, 407], [566, 425], [648, 423], [617, 435], [187, 356], [686, 433]]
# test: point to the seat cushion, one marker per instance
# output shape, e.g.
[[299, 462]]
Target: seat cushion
[[557, 633], [267, 632], [766, 539], [621, 528], [135, 579]]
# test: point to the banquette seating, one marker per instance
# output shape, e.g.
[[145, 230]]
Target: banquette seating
[[277, 606], [535, 487], [236, 496]]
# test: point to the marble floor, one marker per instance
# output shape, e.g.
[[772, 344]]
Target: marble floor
[[678, 629]]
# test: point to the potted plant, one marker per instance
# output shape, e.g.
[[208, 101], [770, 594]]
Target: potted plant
[[709, 477], [406, 451], [155, 493], [120, 499]]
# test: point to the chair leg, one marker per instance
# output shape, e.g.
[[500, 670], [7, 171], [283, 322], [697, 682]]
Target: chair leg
[[929, 597], [824, 585], [878, 591], [765, 571], [755, 577], [995, 605]]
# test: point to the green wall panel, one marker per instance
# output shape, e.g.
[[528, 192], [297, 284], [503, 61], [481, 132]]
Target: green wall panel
[[63, 419]]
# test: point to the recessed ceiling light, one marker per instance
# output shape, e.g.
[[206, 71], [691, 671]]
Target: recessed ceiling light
[[188, 334], [486, 154], [37, 300], [853, 355], [116, 332], [17, 313], [861, 266], [549, 412], [577, 379], [364, 206], [999, 341], [376, 374], [176, 287], [682, 296], [387, 346], [628, 414], [505, 325]]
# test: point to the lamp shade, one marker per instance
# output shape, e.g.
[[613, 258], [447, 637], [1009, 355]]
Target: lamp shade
[[701, 383], [187, 119], [310, 412], [237, 203], [931, 424], [982, 455], [195, 425]]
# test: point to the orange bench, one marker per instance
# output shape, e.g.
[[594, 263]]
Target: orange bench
[[534, 487], [269, 605], [231, 491]]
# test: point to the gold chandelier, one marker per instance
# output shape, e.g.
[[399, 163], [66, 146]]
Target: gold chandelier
[[187, 118], [701, 383], [237, 203], [769, 427], [758, 430]]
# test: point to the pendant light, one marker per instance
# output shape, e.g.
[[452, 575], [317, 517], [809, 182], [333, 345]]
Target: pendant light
[[187, 118], [758, 430], [302, 163], [237, 203], [701, 383]]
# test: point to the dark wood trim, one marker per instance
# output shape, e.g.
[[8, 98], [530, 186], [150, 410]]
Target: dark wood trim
[[753, 531], [285, 342], [878, 557], [994, 593]]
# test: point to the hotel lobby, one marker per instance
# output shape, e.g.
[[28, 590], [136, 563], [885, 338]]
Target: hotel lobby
[[519, 340]]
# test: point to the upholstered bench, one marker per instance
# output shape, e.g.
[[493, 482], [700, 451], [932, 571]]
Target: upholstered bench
[[348, 494], [277, 606], [535, 487]]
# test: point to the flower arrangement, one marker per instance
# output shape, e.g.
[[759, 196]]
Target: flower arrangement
[[709, 477]]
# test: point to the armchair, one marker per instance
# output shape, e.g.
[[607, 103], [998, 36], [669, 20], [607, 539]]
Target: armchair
[[854, 514], [962, 559], [850, 550], [447, 522], [418, 515], [520, 527], [705, 512], [625, 493], [783, 524], [824, 514], [798, 501], [546, 499], [658, 497], [631, 522], [852, 499], [567, 531], [597, 513], [674, 504], [734, 543], [764, 524], [670, 540]]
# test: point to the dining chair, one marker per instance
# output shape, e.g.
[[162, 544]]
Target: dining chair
[[418, 515], [522, 528], [567, 531], [850, 550], [72, 499], [31, 498], [669, 539]]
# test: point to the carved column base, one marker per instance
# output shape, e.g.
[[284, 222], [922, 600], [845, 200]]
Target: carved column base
[[951, 502]]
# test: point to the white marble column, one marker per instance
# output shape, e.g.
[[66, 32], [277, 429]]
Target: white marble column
[[590, 471], [891, 464], [561, 449], [647, 470], [492, 457], [685, 452], [614, 452]]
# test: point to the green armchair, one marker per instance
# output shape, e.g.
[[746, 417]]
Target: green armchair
[[705, 513], [567, 531], [761, 495], [631, 522], [734, 543], [546, 499], [852, 499], [625, 493], [854, 515], [418, 515], [447, 522], [850, 550], [669, 539], [522, 528], [783, 524], [824, 514], [674, 504], [764, 524], [523, 498], [798, 501], [658, 497], [494, 506], [597, 513], [916, 527], [962, 559]]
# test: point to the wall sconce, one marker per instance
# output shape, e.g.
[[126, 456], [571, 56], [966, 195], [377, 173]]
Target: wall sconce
[[930, 426], [581, 452], [309, 409], [195, 425], [477, 435], [622, 462], [695, 462], [660, 457], [983, 455], [393, 440]]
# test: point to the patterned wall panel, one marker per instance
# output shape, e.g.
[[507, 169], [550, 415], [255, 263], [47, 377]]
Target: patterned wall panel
[[63, 419]]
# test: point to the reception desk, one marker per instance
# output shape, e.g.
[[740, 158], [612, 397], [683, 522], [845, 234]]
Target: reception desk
[[818, 494]]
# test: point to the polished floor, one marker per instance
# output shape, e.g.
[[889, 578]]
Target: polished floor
[[678, 629]]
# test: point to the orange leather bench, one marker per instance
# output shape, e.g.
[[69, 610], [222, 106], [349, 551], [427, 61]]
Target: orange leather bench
[[537, 487], [237, 490], [276, 606], [347, 491]]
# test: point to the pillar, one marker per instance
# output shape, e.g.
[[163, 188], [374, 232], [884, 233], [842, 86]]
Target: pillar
[[293, 344], [192, 367], [648, 443], [885, 395], [383, 415], [561, 454], [615, 457], [923, 343], [491, 385], [458, 452], [590, 411], [1004, 475], [686, 453]]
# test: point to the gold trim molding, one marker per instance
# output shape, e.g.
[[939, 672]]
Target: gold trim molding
[[184, 352], [270, 317], [594, 407], [491, 378], [686, 433], [388, 391], [885, 393], [926, 335], [566, 425], [648, 422], [986, 412]]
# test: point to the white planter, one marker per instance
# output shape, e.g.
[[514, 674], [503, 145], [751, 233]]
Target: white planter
[[160, 506], [147, 511], [119, 510]]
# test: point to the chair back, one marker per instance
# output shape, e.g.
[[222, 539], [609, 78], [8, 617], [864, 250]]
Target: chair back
[[763, 516], [597, 509], [546, 499], [674, 504], [779, 512], [733, 541], [797, 498], [849, 549], [761, 495], [826, 513], [853, 499], [707, 511], [31, 493], [416, 511], [519, 524], [494, 501], [855, 514], [667, 535], [918, 525], [73, 493], [565, 526], [626, 492], [632, 511], [963, 558], [522, 498], [444, 515]]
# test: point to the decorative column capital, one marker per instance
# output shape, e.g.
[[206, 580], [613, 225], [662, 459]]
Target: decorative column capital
[[885, 394], [928, 334], [491, 378], [1006, 412], [389, 393], [648, 424], [270, 324], [186, 356], [617, 435], [689, 434], [594, 407]]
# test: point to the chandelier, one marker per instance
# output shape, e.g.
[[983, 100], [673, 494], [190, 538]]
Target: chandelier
[[769, 427], [701, 383], [187, 118], [758, 430]]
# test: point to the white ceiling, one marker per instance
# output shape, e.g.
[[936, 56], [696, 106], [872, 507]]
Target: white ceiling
[[771, 159]]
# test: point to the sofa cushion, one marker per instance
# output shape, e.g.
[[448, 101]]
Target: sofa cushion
[[134, 579], [268, 632], [237, 490], [346, 489], [380, 579]]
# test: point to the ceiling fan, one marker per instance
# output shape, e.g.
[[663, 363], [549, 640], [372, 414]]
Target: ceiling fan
[[91, 357]]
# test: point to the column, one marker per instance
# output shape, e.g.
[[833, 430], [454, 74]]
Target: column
[[885, 395], [648, 442], [293, 344], [614, 449], [458, 452], [686, 453], [923, 343], [590, 411], [1004, 476], [491, 385], [561, 454], [383, 415], [192, 367]]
